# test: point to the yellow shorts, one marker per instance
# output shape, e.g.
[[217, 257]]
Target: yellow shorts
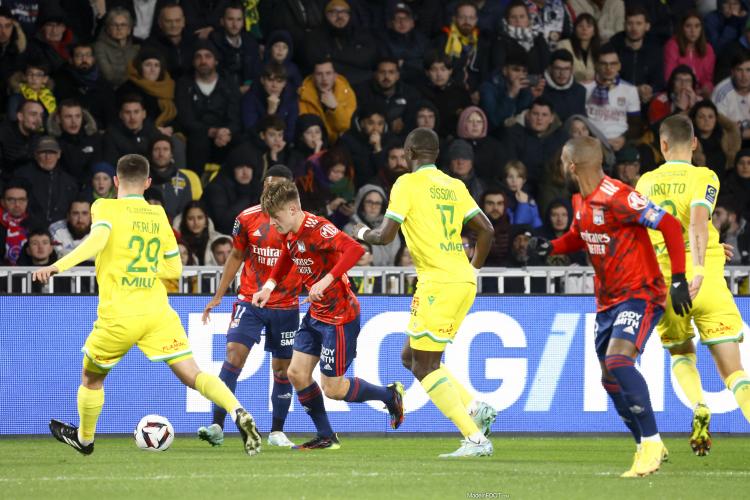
[[437, 311], [714, 313], [160, 336]]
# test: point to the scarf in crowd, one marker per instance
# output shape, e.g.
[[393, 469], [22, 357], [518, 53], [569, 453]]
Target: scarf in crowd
[[456, 41], [87, 79], [523, 36], [162, 89], [15, 236], [45, 97], [252, 17], [600, 95]]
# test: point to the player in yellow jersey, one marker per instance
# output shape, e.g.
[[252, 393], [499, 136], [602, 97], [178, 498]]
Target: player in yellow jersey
[[134, 248], [431, 209], [689, 193]]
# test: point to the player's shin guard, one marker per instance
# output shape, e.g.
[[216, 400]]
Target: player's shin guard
[[739, 383], [361, 390], [615, 394], [228, 374], [281, 398], [311, 399], [213, 389], [466, 398], [448, 400], [90, 403], [634, 390], [686, 373]]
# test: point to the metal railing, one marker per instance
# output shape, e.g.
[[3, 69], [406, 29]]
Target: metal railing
[[375, 280]]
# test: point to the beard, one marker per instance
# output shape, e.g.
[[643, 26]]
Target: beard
[[571, 184]]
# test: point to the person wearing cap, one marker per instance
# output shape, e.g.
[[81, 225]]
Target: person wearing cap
[[52, 188], [327, 94], [12, 50], [53, 39], [209, 105], [102, 182], [365, 141], [352, 49], [628, 165], [461, 166], [404, 43], [173, 40], [114, 49], [238, 49]]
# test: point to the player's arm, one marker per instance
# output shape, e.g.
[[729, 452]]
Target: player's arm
[[170, 265], [381, 235], [231, 267], [283, 266], [349, 253], [702, 205], [87, 250], [481, 226]]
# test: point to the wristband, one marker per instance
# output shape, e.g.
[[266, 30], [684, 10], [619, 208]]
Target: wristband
[[269, 285], [698, 270], [361, 233]]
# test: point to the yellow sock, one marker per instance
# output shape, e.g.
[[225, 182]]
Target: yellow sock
[[212, 388], [739, 384], [683, 367], [90, 403], [448, 400], [465, 395]]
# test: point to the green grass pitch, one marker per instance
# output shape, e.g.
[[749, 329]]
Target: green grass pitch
[[367, 467]]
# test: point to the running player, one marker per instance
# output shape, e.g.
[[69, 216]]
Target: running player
[[328, 333], [610, 224], [259, 244], [689, 193], [431, 208], [134, 248]]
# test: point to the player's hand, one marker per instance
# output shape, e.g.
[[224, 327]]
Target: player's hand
[[356, 229], [260, 298], [728, 251], [541, 247], [44, 274], [695, 285], [680, 294], [319, 288], [215, 301]]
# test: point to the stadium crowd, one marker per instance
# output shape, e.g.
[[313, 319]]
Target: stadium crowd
[[215, 92]]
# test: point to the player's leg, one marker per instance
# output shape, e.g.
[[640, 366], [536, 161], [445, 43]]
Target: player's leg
[[280, 331], [728, 363]]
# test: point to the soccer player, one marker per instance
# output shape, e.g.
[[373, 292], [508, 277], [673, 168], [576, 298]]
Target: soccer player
[[258, 243], [690, 193], [610, 224], [328, 333], [134, 248], [431, 208]]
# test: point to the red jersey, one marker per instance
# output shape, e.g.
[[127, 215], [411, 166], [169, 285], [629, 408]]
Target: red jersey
[[611, 223], [261, 244], [317, 249]]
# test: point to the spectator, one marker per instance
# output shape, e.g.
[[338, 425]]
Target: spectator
[[238, 49], [536, 141], [328, 95], [628, 165], [80, 143], [197, 230], [553, 186], [461, 166], [718, 137], [369, 209], [640, 55], [221, 247], [551, 18], [203, 16], [725, 59], [51, 43], [402, 42], [736, 183], [32, 85], [14, 221], [275, 149], [68, 233], [17, 137], [149, 79], [428, 16], [612, 104], [52, 188], [608, 14], [328, 187], [351, 49], [464, 46], [726, 24], [580, 125], [507, 93], [274, 96], [428, 116], [310, 140], [489, 15], [298, 18], [102, 184], [209, 107], [522, 209], [584, 45], [173, 41], [449, 97], [557, 221], [82, 80], [567, 96], [177, 186], [494, 206], [680, 96], [519, 256], [732, 95], [236, 187], [115, 49], [365, 142], [280, 50], [132, 133], [38, 251], [394, 167], [519, 35], [488, 152], [145, 20], [386, 91], [732, 227], [689, 47], [12, 51]]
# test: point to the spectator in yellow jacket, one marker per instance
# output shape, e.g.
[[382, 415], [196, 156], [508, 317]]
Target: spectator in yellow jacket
[[328, 95]]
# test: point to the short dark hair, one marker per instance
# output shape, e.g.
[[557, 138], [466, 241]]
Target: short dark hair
[[561, 55], [494, 189], [79, 45], [79, 199], [274, 70], [637, 10], [132, 98], [132, 168], [607, 48], [70, 102], [34, 62], [387, 59], [221, 240], [274, 122], [39, 231], [437, 56], [676, 130], [160, 138], [543, 101], [26, 102], [323, 60], [16, 183], [465, 3], [740, 57]]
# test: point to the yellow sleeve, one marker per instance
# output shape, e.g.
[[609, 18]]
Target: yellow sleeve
[[705, 189], [170, 266], [467, 207], [88, 249], [400, 203]]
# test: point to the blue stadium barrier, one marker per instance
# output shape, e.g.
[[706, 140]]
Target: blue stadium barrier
[[531, 357]]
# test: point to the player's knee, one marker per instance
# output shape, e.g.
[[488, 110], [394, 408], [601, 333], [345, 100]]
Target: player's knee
[[237, 354], [421, 370], [297, 377], [406, 359]]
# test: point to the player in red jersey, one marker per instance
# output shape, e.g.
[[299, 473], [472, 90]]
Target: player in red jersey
[[610, 223], [258, 244], [328, 333]]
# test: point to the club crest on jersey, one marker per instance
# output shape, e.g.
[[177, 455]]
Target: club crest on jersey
[[637, 201], [301, 247], [328, 231], [599, 216]]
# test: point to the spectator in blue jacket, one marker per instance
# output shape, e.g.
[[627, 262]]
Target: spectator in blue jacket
[[726, 24], [404, 43], [524, 210], [507, 92], [273, 96]]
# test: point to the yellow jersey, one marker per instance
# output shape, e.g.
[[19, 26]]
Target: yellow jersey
[[140, 236], [432, 208], [677, 186]]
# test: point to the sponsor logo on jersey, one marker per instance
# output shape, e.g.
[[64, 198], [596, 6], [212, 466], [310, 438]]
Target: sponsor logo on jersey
[[596, 242], [711, 194], [637, 201], [328, 231], [599, 216]]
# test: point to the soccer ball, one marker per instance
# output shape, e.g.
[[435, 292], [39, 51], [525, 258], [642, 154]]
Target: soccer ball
[[153, 433]]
